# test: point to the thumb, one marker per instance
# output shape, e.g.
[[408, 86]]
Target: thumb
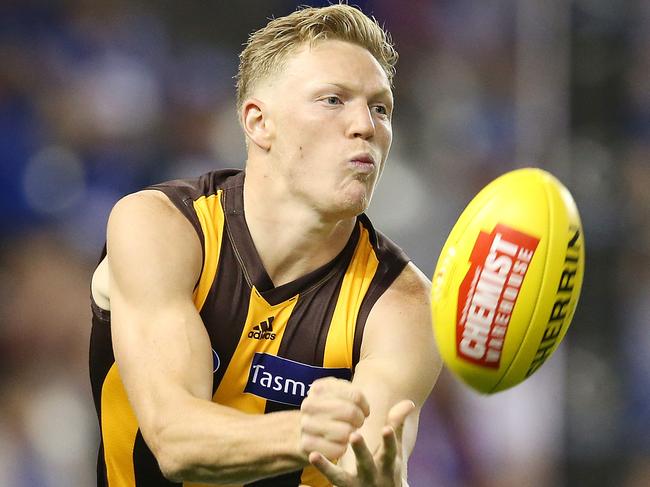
[[398, 414]]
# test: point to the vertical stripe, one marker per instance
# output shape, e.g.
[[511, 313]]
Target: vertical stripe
[[362, 268], [209, 210], [230, 392], [102, 481], [225, 309], [146, 469], [340, 337], [231, 388], [119, 428], [304, 341], [101, 355]]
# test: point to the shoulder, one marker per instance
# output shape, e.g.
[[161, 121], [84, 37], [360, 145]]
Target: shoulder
[[403, 288], [398, 337], [182, 190], [409, 293], [402, 311], [173, 199], [147, 233], [147, 207], [392, 264]]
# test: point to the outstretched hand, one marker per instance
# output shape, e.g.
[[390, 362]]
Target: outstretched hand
[[381, 469], [332, 410]]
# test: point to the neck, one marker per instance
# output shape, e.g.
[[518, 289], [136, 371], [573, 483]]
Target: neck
[[291, 238]]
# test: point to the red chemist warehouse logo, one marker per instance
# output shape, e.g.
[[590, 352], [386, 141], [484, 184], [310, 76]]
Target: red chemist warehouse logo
[[489, 292]]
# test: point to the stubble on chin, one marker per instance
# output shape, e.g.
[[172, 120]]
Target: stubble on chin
[[357, 202]]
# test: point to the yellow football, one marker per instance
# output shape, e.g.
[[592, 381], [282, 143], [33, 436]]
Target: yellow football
[[508, 280]]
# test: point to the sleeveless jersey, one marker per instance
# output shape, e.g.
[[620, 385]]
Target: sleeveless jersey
[[269, 343]]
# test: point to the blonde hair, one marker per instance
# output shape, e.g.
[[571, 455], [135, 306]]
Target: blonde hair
[[268, 48]]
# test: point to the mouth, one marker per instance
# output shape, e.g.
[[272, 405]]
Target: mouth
[[363, 162]]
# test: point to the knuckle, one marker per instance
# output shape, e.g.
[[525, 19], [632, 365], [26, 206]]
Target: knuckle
[[352, 414], [320, 386], [355, 396], [358, 398], [305, 443], [320, 383], [309, 443], [315, 387], [348, 429], [337, 451], [308, 405], [341, 433]]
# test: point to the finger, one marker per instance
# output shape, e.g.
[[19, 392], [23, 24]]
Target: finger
[[334, 409], [360, 400], [330, 430], [336, 475], [397, 416], [330, 449], [366, 469], [389, 451], [343, 389]]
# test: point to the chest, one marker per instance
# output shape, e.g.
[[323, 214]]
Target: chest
[[270, 346]]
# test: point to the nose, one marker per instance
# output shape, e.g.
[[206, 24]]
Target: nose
[[361, 122]]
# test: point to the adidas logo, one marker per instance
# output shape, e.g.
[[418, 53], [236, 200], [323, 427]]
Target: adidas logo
[[263, 331]]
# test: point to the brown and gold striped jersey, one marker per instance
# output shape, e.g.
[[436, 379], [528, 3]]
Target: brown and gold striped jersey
[[269, 343]]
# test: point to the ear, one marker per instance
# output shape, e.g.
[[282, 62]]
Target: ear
[[255, 123]]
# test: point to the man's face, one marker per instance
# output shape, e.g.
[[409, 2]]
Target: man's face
[[329, 115]]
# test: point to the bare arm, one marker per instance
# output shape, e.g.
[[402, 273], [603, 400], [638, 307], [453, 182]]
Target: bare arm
[[399, 363], [165, 360]]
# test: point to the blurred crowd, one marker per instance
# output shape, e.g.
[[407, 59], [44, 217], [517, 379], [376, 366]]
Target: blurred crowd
[[99, 98]]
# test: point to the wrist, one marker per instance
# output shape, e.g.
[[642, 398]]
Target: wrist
[[294, 433]]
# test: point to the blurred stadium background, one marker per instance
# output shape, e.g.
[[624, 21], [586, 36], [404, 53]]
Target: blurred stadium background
[[101, 97]]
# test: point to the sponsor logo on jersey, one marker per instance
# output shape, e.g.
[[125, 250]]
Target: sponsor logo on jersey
[[489, 292], [263, 331], [285, 381]]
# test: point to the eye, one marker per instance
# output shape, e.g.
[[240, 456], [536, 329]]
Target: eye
[[333, 100], [381, 110]]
